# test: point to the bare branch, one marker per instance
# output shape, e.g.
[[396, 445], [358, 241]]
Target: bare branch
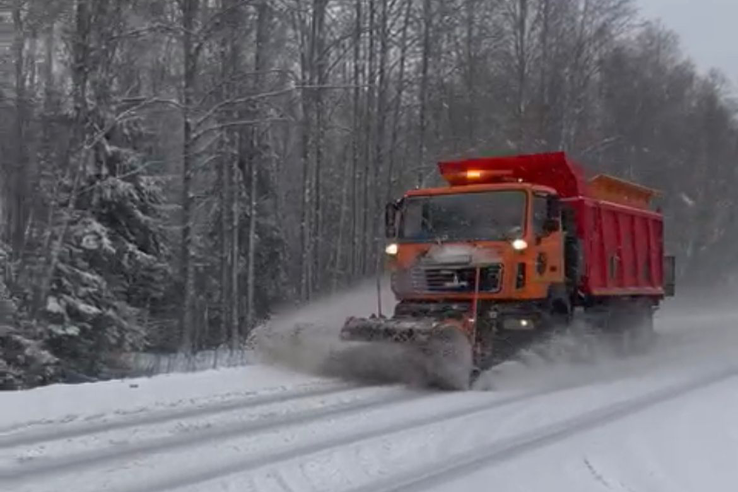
[[129, 113], [231, 124], [236, 101], [239, 100]]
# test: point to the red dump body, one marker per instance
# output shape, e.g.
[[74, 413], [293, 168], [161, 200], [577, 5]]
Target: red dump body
[[623, 248], [621, 238]]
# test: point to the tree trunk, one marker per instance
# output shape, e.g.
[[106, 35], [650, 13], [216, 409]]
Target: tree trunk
[[234, 17], [471, 12], [19, 190], [338, 270], [355, 143], [78, 153], [423, 98], [369, 129], [543, 103], [251, 263], [381, 119], [521, 55], [225, 182], [306, 219], [262, 36], [235, 253], [318, 65], [187, 272], [398, 100]]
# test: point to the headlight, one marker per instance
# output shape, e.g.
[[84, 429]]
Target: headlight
[[519, 245], [518, 324], [391, 249]]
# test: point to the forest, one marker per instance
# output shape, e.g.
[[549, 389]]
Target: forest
[[173, 171]]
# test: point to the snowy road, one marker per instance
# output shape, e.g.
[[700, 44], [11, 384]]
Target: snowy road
[[663, 422]]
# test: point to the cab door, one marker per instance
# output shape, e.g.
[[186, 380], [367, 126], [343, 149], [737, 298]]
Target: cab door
[[548, 261]]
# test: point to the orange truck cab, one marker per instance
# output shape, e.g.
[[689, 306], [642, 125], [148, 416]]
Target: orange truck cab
[[513, 248]]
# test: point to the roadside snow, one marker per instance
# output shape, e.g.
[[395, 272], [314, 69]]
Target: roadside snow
[[66, 403]]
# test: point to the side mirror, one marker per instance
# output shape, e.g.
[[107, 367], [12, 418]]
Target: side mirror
[[390, 220]]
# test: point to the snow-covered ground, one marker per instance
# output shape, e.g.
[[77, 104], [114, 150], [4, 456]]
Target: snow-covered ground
[[663, 422]]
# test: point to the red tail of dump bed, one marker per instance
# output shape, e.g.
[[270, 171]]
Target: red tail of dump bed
[[621, 238]]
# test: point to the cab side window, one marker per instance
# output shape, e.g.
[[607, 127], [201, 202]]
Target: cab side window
[[540, 213]]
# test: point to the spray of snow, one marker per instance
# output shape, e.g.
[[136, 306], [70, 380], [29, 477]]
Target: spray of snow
[[687, 200], [307, 339], [685, 337]]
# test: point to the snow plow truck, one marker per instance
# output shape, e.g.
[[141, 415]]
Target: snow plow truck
[[514, 250]]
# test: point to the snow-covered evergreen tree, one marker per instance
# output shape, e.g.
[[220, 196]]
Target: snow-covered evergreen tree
[[24, 362], [112, 276]]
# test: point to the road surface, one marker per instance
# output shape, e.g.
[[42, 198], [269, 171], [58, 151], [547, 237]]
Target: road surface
[[663, 422]]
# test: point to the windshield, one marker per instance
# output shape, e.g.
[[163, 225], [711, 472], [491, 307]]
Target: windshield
[[492, 216]]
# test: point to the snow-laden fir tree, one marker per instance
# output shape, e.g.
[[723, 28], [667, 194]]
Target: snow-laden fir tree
[[112, 278]]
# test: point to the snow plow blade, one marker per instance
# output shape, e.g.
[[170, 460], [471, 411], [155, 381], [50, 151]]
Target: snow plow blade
[[439, 348], [388, 330]]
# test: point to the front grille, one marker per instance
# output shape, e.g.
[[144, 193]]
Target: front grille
[[454, 280]]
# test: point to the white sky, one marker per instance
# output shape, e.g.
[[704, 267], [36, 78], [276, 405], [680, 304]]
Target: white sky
[[707, 29]]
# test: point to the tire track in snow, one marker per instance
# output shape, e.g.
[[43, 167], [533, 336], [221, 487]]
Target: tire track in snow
[[86, 428], [303, 450], [420, 480], [467, 463], [90, 458]]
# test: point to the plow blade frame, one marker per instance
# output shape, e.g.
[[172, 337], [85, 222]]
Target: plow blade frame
[[389, 330]]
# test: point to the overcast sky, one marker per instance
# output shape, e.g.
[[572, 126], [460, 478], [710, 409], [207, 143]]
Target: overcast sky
[[707, 29]]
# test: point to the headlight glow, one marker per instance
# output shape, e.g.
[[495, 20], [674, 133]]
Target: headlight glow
[[519, 245], [391, 249]]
